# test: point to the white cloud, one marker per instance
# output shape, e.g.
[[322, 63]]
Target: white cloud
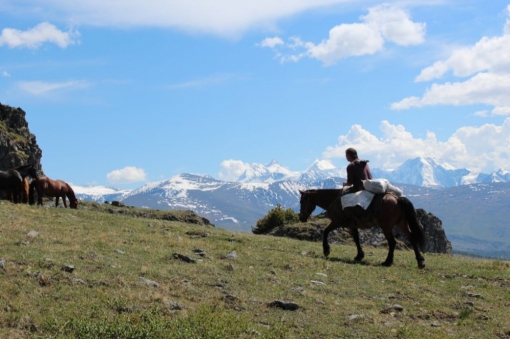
[[487, 88], [271, 42], [6, 74], [483, 113], [231, 170], [382, 23], [35, 37], [344, 41], [223, 17], [395, 25], [486, 65], [126, 175], [40, 88], [488, 54], [484, 148], [501, 110]]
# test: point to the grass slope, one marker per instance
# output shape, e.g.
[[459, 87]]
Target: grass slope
[[106, 296]]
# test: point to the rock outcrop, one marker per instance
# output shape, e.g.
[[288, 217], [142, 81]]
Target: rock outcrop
[[17, 145]]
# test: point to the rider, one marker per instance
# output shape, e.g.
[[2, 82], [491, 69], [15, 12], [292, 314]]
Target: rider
[[357, 170]]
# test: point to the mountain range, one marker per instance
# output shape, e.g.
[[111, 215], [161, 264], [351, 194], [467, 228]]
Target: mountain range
[[473, 206]]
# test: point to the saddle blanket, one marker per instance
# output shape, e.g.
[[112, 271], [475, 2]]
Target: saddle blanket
[[361, 198]]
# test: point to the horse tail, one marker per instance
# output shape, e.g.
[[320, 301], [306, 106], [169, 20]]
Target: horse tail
[[417, 233]]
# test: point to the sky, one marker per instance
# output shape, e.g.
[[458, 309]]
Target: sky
[[122, 93]]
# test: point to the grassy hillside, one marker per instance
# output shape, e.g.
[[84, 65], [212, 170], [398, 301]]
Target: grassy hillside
[[89, 274]]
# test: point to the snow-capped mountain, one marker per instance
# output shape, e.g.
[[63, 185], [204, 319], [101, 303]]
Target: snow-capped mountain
[[429, 172], [99, 193], [267, 173], [321, 170], [233, 205], [261, 187]]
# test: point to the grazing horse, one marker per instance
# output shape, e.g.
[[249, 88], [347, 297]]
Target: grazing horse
[[26, 171], [392, 211], [12, 182], [53, 188]]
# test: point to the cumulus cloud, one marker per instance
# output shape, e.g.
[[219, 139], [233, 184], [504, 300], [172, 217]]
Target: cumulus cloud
[[382, 23], [486, 65], [126, 175], [231, 170], [41, 88], [222, 17], [271, 42], [483, 148], [395, 25], [36, 36]]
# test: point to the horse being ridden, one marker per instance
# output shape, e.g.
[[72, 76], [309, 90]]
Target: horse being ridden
[[393, 211], [53, 188]]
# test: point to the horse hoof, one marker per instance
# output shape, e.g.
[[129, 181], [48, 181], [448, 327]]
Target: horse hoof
[[386, 264], [359, 258], [421, 265]]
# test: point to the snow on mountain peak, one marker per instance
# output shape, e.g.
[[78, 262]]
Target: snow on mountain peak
[[258, 173], [321, 165]]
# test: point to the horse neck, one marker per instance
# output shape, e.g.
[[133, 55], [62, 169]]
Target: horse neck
[[70, 193], [325, 197]]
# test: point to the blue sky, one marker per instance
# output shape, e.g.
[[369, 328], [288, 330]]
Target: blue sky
[[128, 92]]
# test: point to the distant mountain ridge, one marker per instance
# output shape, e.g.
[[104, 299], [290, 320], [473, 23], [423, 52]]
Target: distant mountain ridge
[[431, 184]]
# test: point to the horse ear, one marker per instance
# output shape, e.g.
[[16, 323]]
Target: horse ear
[[302, 192]]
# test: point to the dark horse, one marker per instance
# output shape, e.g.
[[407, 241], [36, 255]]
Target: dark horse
[[391, 211], [53, 188], [12, 182]]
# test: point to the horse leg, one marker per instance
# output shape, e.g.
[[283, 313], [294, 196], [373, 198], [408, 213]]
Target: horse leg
[[64, 200], [56, 201], [419, 257], [355, 236], [333, 225], [391, 244]]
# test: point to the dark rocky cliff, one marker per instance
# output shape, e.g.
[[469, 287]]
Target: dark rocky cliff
[[17, 145]]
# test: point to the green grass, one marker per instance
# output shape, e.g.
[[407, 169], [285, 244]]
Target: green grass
[[221, 298]]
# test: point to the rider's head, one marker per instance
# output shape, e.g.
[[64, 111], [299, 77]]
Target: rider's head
[[351, 154]]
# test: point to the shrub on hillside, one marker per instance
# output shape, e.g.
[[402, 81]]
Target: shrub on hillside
[[274, 218]]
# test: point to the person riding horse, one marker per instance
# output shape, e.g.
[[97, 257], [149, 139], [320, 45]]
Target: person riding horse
[[357, 170]]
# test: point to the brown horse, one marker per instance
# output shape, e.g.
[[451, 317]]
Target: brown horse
[[53, 188], [26, 171], [25, 191], [392, 211]]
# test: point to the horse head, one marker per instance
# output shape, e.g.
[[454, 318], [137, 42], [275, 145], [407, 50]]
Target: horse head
[[32, 172], [307, 205]]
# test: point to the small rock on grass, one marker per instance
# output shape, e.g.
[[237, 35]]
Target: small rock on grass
[[184, 258], [148, 282], [284, 305], [68, 268]]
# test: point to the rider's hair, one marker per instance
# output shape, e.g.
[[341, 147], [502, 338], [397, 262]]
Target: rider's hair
[[351, 152]]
